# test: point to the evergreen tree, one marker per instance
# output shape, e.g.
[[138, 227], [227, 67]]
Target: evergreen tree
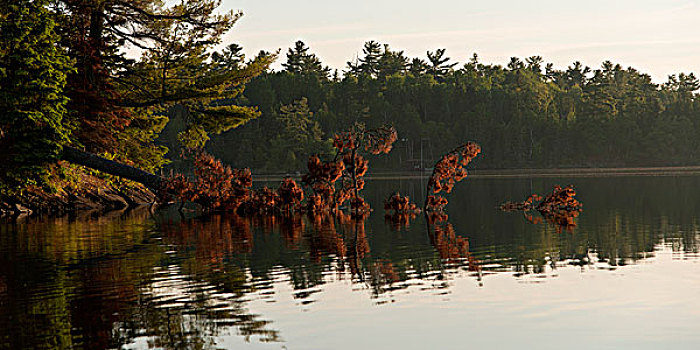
[[369, 64], [300, 61], [117, 106], [295, 57], [391, 63], [439, 67], [417, 67], [33, 127], [300, 135]]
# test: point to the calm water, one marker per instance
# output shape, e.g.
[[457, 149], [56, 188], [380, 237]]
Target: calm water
[[627, 276]]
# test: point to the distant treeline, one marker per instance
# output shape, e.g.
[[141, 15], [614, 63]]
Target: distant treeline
[[526, 114]]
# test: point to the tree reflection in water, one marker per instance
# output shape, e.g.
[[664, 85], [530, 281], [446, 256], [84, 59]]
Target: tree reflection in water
[[98, 283], [167, 282]]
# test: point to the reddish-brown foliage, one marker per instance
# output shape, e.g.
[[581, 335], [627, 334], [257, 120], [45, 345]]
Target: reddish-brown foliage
[[451, 247], [321, 178], [380, 140], [400, 211], [435, 203], [215, 187], [219, 188], [263, 201], [525, 205], [559, 208], [376, 141], [449, 170], [400, 204], [290, 195], [335, 182]]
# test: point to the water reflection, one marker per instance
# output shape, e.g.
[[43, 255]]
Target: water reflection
[[137, 280]]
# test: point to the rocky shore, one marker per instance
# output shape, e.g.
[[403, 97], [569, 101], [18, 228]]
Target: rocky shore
[[68, 200]]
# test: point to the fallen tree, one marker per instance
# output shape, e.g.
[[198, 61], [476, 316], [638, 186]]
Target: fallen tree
[[93, 161]]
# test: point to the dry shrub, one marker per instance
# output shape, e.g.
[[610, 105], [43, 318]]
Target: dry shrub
[[450, 169], [338, 181], [400, 211], [559, 208]]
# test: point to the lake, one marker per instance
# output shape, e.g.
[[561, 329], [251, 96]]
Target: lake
[[628, 275]]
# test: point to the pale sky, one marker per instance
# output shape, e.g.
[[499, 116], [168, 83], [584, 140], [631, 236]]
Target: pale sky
[[658, 37]]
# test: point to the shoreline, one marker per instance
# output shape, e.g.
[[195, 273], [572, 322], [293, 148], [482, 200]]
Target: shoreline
[[108, 199], [522, 173]]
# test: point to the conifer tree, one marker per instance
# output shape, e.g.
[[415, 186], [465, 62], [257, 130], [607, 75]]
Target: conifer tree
[[369, 64], [439, 67], [300, 61], [33, 128]]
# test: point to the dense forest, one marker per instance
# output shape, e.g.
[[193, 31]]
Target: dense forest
[[102, 83], [526, 114], [71, 94]]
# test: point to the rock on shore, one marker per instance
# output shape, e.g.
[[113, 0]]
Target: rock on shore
[[67, 200]]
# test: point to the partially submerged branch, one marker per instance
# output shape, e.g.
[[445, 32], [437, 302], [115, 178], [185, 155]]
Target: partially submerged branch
[[559, 207], [336, 181], [450, 169]]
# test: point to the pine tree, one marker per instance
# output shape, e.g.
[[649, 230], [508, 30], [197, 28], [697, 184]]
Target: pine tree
[[300, 61], [33, 72], [117, 106], [439, 67], [391, 62], [369, 64]]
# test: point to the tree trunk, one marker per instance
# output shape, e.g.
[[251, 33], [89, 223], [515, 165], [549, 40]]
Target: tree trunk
[[73, 155]]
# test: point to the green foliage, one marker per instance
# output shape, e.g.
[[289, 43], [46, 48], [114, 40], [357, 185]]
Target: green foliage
[[136, 143], [180, 70], [300, 61], [66, 80], [300, 136], [32, 77], [527, 114]]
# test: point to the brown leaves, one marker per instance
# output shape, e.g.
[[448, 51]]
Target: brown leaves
[[290, 194], [376, 141], [559, 208], [400, 204], [380, 140], [436, 203], [218, 188], [215, 187], [337, 181], [345, 141], [449, 170], [525, 205]]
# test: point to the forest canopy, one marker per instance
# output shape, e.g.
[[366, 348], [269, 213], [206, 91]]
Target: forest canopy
[[67, 85], [524, 114]]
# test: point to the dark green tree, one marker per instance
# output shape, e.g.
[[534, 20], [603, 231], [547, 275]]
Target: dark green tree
[[300, 135], [369, 64], [391, 63], [33, 69], [300, 61], [439, 67], [417, 67]]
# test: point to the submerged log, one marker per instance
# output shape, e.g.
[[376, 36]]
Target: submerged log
[[93, 161]]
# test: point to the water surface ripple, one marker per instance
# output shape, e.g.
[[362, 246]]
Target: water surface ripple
[[626, 276]]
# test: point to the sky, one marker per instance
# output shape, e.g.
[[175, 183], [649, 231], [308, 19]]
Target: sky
[[658, 37]]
